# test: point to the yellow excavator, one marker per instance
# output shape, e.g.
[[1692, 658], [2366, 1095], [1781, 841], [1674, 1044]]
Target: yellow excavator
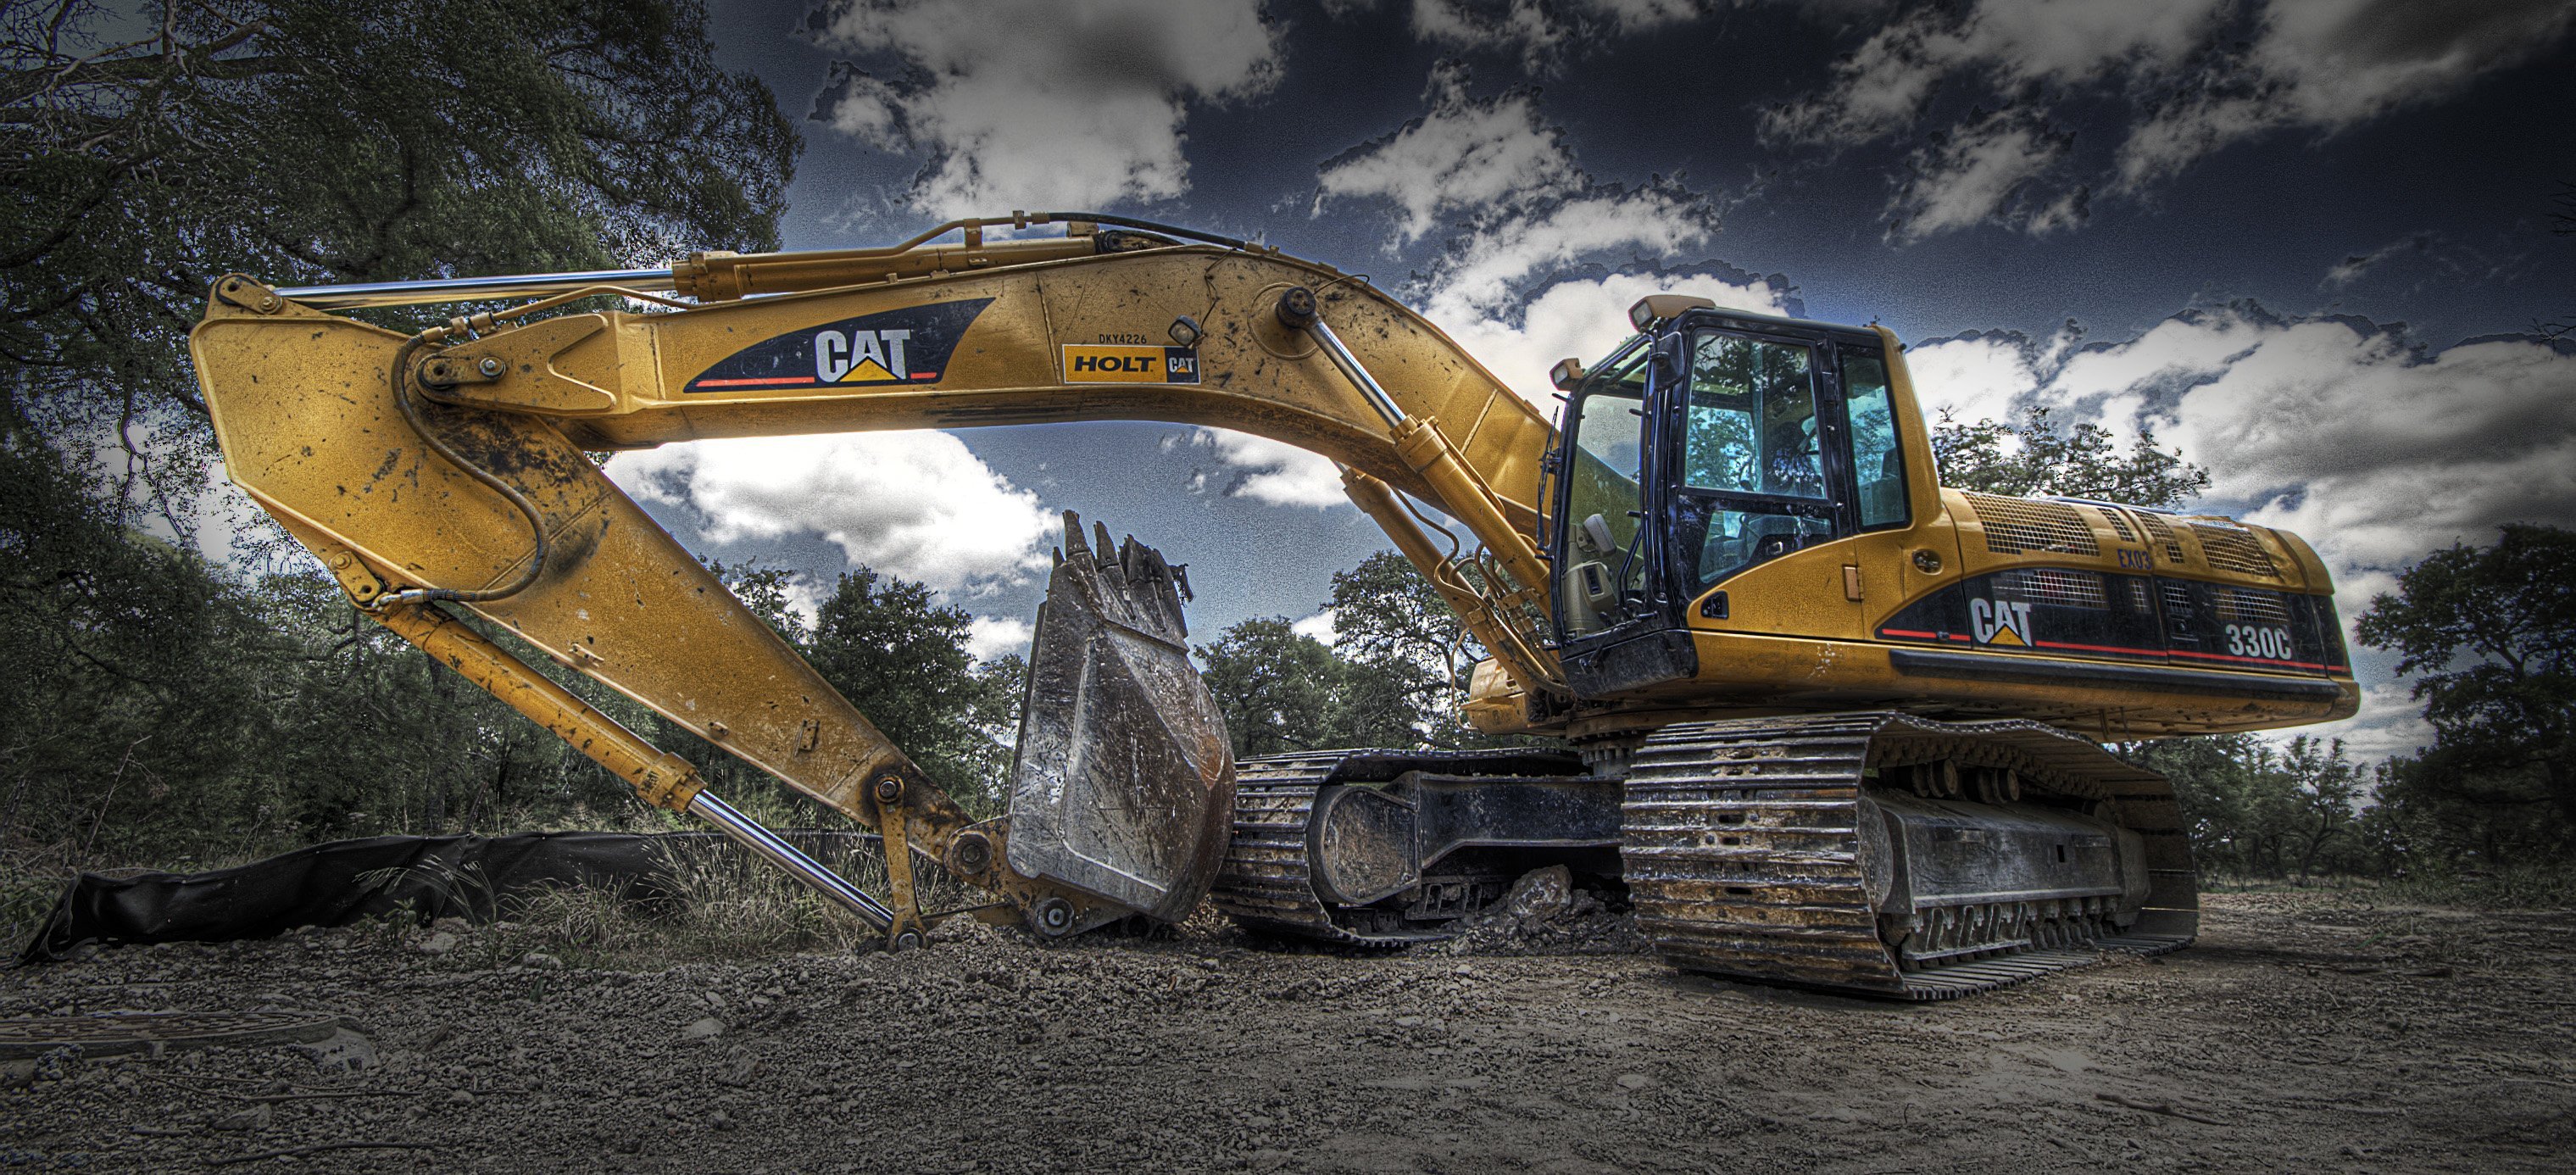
[[1828, 722]]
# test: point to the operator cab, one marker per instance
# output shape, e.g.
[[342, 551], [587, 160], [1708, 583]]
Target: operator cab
[[1710, 443]]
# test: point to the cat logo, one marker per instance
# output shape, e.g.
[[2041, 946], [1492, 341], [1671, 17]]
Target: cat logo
[[861, 356], [888, 350], [2004, 623]]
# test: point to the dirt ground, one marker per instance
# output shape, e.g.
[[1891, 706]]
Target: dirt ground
[[2309, 1032]]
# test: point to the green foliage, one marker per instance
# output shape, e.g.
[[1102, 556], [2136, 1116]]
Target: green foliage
[[2032, 458], [2538, 885], [1394, 676], [159, 708], [1384, 610], [1276, 687], [308, 141], [770, 593], [2489, 635], [2256, 810], [900, 657], [1407, 656]]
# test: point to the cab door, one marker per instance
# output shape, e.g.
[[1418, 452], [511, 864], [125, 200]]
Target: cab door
[[1792, 491], [1758, 458], [1906, 544], [1617, 627]]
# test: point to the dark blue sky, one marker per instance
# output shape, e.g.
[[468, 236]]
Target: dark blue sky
[[1943, 169]]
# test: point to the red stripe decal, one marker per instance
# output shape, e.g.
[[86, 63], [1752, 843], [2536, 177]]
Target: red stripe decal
[[1920, 636], [2246, 660], [2102, 649], [746, 383]]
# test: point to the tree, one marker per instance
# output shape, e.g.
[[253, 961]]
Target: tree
[[2489, 634], [311, 141], [2256, 810], [2324, 797], [770, 593], [2033, 458], [900, 657], [159, 704], [1404, 651], [1275, 686], [1384, 609]]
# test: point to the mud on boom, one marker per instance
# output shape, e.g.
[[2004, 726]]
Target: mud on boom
[[1831, 723]]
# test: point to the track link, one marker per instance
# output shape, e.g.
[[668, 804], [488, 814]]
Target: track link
[[1746, 855], [1265, 883]]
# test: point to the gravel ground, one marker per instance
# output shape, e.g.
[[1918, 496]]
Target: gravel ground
[[2303, 1032]]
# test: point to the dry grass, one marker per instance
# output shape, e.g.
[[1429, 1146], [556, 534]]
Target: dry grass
[[715, 902], [2523, 887]]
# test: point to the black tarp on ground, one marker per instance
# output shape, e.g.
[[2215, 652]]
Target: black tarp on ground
[[471, 877]]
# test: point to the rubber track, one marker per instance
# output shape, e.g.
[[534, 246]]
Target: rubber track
[[1266, 883], [1744, 858]]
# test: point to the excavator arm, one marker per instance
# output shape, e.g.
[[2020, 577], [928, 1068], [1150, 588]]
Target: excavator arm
[[444, 475]]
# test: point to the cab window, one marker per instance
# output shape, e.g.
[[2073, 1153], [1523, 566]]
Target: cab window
[[1752, 419], [1753, 472], [1878, 461], [1602, 502]]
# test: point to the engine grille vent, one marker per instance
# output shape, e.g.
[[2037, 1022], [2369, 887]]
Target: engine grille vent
[[2233, 548], [2252, 605], [2163, 534], [2053, 585], [2113, 515], [2016, 525]]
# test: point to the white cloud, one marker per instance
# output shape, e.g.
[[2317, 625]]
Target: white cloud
[[1490, 264], [1541, 32], [1498, 176], [1319, 626], [2372, 447], [2375, 452], [1269, 471], [1518, 212], [2013, 46], [1985, 171], [990, 637], [1584, 318], [918, 505], [2390, 723], [1500, 179], [1465, 154], [1043, 104], [1973, 377], [2195, 75], [2332, 64]]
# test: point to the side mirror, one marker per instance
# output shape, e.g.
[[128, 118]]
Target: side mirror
[[1670, 359]]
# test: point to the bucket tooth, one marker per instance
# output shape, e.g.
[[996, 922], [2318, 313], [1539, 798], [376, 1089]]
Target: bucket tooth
[[1123, 783]]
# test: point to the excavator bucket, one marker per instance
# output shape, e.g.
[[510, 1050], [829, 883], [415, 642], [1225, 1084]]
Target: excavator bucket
[[1123, 786]]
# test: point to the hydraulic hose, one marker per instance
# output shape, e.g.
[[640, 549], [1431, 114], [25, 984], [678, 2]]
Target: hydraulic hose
[[403, 398]]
